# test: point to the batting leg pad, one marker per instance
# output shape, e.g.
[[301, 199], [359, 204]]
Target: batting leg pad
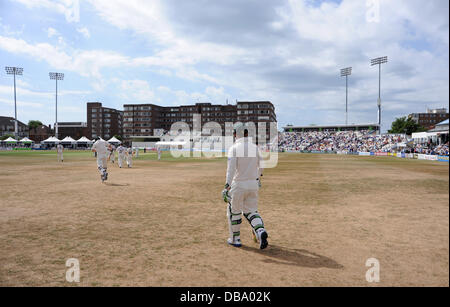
[[234, 223], [255, 221], [102, 170]]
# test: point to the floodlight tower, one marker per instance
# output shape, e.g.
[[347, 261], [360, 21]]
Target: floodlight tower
[[56, 76], [379, 61], [14, 71], [345, 72]]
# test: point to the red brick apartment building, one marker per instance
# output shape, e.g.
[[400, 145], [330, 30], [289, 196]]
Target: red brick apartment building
[[103, 122], [142, 119]]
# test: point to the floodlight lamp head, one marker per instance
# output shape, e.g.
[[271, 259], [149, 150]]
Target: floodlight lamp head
[[346, 71], [377, 61], [13, 70], [56, 76]]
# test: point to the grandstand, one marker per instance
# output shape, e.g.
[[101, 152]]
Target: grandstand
[[354, 142], [370, 127]]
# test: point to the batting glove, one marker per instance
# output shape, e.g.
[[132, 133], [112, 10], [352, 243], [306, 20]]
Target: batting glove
[[225, 195], [259, 183]]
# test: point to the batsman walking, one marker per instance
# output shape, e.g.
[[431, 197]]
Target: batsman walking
[[241, 189]]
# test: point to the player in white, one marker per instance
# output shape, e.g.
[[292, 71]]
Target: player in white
[[120, 155], [101, 147], [59, 150], [241, 189], [112, 154], [129, 152], [159, 152]]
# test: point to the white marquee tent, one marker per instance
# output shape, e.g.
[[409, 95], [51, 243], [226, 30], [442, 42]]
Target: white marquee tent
[[114, 140], [84, 140], [10, 140], [68, 140], [26, 140], [51, 140]]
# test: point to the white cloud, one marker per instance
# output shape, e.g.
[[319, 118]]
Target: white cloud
[[24, 92], [84, 31], [69, 8], [21, 103], [289, 52], [86, 63], [178, 97], [52, 32], [136, 90], [143, 17]]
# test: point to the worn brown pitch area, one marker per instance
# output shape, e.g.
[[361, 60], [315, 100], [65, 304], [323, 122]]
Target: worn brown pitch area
[[164, 224]]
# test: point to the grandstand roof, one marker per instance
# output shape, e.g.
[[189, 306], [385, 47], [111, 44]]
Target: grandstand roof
[[445, 122], [442, 127], [331, 127]]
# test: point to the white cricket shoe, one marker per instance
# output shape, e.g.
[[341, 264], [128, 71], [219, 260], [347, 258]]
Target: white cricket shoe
[[262, 238], [236, 242]]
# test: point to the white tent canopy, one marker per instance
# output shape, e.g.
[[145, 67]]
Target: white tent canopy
[[26, 140], [10, 140], [114, 140], [84, 139], [161, 143], [68, 139], [51, 139]]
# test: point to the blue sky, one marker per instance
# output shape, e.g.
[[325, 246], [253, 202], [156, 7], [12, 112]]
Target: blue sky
[[181, 52]]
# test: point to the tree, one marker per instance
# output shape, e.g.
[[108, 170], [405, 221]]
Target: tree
[[34, 123], [5, 136], [405, 125]]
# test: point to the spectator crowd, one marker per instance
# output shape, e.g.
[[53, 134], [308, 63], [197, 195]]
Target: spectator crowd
[[354, 141]]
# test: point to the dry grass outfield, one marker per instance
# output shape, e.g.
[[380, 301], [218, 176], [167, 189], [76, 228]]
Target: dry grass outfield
[[163, 223]]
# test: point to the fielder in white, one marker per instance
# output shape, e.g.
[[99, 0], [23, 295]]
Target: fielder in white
[[120, 155], [159, 153], [129, 152], [112, 154], [59, 150], [241, 189], [101, 147]]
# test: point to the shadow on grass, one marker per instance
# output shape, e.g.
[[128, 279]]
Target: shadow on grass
[[298, 257]]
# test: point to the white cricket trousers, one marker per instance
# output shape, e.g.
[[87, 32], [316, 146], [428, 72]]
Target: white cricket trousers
[[129, 160], [120, 159], [60, 156], [244, 199], [102, 164]]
